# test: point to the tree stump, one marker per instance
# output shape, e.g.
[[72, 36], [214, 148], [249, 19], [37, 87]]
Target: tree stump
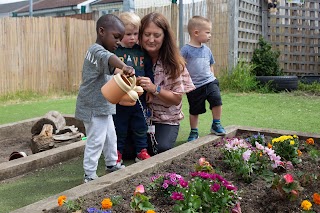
[[43, 141]]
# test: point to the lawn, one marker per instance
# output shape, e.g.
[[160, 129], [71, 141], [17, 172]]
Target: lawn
[[286, 111]]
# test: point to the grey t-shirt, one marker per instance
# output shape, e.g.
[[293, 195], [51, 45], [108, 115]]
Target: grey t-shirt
[[96, 72], [199, 60]]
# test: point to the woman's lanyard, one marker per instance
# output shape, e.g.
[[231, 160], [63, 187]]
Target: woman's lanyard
[[155, 66]]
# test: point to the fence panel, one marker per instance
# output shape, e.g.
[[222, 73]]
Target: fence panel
[[249, 27], [43, 54], [294, 30]]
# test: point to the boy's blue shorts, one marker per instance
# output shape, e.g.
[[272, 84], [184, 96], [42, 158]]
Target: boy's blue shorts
[[197, 98]]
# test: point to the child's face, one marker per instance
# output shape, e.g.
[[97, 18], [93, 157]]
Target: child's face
[[204, 33], [110, 38], [130, 37]]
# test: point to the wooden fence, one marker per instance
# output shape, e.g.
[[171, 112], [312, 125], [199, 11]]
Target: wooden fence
[[46, 54], [43, 54], [294, 30]]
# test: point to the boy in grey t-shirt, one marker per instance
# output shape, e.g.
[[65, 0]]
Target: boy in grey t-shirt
[[91, 107], [200, 62]]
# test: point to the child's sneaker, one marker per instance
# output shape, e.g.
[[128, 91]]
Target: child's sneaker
[[217, 129], [114, 168], [142, 155], [87, 179], [119, 158], [193, 136]]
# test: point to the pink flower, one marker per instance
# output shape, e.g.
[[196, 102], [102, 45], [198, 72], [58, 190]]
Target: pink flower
[[177, 196], [288, 178], [201, 161], [289, 165], [246, 155], [236, 208], [139, 189], [294, 193], [215, 187], [183, 183]]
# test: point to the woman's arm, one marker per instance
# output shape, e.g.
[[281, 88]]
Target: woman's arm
[[167, 96]]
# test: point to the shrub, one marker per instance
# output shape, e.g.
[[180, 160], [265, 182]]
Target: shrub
[[265, 60]]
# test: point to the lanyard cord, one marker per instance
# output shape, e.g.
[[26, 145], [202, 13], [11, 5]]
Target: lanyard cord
[[149, 123]]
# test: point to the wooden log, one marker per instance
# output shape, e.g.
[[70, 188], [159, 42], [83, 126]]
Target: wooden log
[[43, 141]]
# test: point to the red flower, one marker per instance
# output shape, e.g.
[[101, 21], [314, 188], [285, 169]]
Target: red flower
[[288, 178]]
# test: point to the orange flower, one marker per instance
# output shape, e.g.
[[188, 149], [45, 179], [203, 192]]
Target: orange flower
[[61, 200], [106, 203], [316, 198], [299, 152], [150, 211], [310, 141], [269, 145]]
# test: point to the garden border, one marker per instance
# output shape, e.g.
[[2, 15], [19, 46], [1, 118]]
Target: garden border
[[149, 165], [39, 160]]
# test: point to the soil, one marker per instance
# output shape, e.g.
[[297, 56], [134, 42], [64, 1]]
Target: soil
[[256, 196]]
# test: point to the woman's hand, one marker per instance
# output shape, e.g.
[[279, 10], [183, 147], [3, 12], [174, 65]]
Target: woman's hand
[[146, 84]]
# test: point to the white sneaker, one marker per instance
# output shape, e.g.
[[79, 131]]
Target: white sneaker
[[115, 167], [87, 179]]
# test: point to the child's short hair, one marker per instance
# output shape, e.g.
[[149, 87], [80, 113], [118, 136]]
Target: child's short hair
[[108, 20], [129, 18], [197, 22]]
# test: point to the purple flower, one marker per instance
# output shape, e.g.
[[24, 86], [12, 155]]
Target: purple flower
[[165, 185], [215, 187], [92, 210], [177, 196]]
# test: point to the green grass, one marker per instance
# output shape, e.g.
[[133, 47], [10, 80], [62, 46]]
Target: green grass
[[286, 111]]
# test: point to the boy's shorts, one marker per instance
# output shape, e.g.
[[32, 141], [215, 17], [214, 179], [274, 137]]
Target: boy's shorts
[[197, 98]]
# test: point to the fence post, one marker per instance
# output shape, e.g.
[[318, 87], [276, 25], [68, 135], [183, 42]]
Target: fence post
[[181, 28], [264, 19], [174, 17], [233, 33]]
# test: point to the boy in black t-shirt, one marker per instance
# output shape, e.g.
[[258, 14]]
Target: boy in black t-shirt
[[129, 121]]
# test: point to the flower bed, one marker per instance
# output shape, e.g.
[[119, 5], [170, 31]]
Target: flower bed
[[292, 187]]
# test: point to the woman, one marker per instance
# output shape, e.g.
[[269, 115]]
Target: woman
[[171, 79]]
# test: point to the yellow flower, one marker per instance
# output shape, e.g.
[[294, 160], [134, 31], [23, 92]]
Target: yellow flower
[[61, 200], [150, 211], [292, 142], [106, 203], [306, 205], [299, 152]]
